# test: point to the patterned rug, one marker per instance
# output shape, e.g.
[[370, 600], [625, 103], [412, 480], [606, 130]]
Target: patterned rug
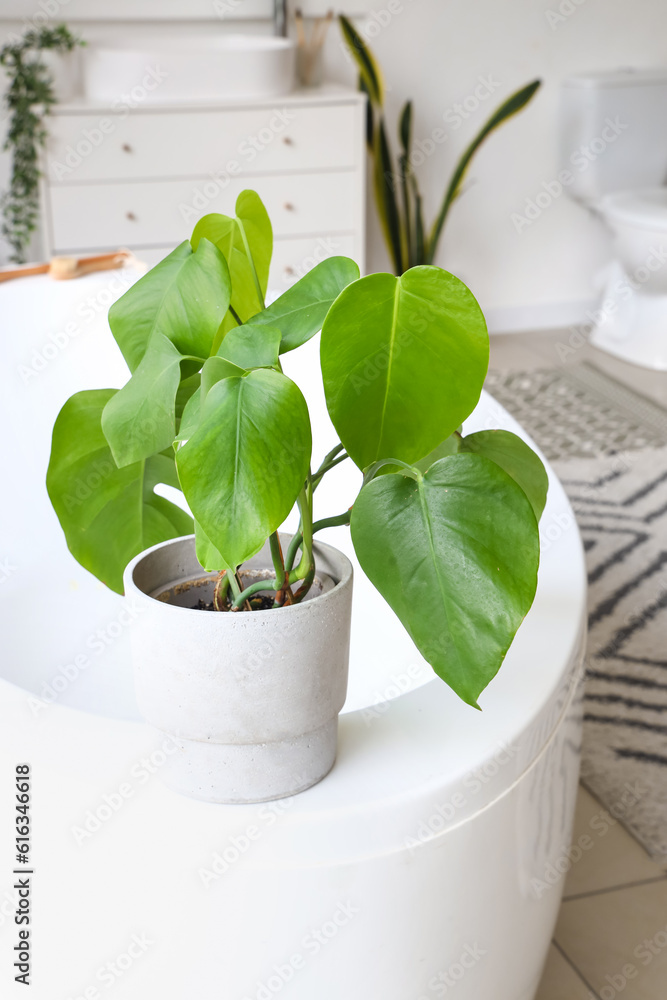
[[619, 495]]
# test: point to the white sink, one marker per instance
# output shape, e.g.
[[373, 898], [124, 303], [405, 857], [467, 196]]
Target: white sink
[[168, 69]]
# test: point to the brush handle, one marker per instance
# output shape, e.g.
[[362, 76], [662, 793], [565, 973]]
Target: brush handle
[[25, 271]]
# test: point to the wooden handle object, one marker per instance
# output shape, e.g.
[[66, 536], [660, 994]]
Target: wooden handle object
[[64, 268]]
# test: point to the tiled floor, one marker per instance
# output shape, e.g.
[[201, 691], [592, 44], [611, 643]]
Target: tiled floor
[[611, 936]]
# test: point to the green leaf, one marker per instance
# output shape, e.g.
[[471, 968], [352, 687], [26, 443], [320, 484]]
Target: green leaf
[[403, 363], [300, 311], [385, 197], [140, 419], [207, 554], [362, 55], [405, 128], [252, 345], [246, 242], [185, 298], [190, 416], [108, 514], [213, 371], [517, 459], [515, 103], [242, 469], [450, 446], [456, 555]]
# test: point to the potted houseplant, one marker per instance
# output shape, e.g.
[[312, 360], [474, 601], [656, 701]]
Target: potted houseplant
[[445, 525]]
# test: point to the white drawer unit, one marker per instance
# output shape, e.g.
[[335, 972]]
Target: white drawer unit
[[141, 178]]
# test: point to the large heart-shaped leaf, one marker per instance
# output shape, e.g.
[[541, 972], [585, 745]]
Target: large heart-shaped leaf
[[243, 467], [184, 297], [300, 311], [455, 553], [108, 514], [140, 419], [247, 244], [403, 362], [517, 459]]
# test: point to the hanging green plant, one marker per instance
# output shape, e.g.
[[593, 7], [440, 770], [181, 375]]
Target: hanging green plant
[[28, 99]]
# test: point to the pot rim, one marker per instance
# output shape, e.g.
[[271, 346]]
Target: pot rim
[[131, 588]]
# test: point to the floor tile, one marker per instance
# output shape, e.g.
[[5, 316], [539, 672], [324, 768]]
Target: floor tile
[[560, 981], [608, 856], [618, 940]]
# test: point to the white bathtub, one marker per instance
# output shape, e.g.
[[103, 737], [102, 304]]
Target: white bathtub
[[427, 864]]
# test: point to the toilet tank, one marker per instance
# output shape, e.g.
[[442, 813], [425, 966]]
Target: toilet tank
[[613, 131]]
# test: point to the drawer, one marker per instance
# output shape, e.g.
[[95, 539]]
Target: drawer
[[163, 213], [202, 143], [292, 258]]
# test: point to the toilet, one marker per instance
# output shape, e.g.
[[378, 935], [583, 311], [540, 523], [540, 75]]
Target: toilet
[[613, 136]]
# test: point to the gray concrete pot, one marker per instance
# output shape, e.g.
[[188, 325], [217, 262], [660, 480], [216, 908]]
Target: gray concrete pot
[[250, 699]]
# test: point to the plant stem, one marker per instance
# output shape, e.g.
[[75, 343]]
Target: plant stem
[[279, 566], [333, 522], [322, 471]]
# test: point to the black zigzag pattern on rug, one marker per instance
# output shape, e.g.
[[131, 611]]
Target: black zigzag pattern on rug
[[621, 508]]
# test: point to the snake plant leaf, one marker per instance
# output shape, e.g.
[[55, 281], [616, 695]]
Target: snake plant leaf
[[405, 128], [389, 346], [140, 419], [108, 514], [246, 242], [370, 72], [517, 459], [300, 311], [252, 345], [385, 197], [243, 468], [515, 103], [185, 298], [455, 554]]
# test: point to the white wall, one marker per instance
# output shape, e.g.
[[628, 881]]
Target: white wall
[[435, 51]]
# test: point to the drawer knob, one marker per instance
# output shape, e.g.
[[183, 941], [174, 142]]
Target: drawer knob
[[127, 148], [288, 140], [131, 216], [289, 207]]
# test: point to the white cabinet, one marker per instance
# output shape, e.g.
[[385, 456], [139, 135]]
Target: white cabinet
[[141, 178]]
